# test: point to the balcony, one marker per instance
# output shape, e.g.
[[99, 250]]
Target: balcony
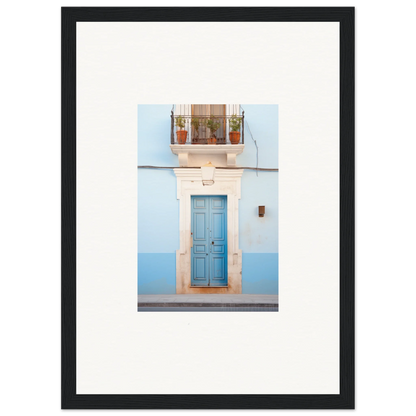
[[207, 130], [207, 138]]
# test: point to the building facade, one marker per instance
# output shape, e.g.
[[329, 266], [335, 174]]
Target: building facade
[[200, 225]]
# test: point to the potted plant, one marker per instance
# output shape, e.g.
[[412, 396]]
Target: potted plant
[[213, 126], [181, 133], [195, 124], [235, 123]]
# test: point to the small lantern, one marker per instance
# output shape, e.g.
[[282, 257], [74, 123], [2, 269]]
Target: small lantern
[[208, 173], [262, 210]]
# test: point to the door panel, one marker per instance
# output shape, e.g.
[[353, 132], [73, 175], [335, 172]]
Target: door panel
[[209, 234], [200, 233], [217, 249], [217, 271], [200, 248], [200, 268], [217, 226], [218, 265], [199, 203], [218, 203]]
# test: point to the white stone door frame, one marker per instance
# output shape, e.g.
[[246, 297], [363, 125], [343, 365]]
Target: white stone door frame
[[189, 183]]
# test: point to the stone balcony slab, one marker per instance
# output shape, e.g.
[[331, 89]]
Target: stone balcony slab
[[196, 155]]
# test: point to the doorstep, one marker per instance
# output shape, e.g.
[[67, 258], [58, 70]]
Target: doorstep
[[208, 301]]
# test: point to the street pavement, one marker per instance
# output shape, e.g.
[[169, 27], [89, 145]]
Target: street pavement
[[205, 303]]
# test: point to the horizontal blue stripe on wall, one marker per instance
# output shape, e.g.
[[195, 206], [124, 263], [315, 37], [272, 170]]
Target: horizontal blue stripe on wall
[[261, 273], [156, 273]]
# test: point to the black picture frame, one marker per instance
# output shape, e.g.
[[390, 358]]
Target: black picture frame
[[69, 398]]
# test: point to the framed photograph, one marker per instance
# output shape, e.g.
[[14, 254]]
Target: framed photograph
[[208, 208]]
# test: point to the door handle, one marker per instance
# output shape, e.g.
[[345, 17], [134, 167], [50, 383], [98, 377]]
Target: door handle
[[192, 241], [212, 243]]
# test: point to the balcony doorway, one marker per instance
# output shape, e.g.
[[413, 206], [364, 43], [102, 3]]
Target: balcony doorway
[[194, 119], [202, 113]]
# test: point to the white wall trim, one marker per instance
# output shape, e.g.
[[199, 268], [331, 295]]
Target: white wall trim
[[226, 182]]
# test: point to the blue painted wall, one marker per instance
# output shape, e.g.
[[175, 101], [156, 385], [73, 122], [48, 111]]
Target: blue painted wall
[[260, 273], [153, 130], [259, 236], [158, 211], [156, 273], [158, 208], [262, 121]]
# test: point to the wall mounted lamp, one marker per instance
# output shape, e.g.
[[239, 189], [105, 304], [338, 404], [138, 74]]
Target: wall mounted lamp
[[262, 210], [208, 173]]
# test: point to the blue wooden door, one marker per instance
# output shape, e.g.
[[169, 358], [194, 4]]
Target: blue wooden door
[[209, 241]]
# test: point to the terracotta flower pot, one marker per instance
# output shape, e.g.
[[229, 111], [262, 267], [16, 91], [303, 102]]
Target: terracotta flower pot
[[212, 140], [234, 137], [181, 135]]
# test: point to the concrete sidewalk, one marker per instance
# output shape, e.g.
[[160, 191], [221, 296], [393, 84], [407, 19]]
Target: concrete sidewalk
[[208, 302]]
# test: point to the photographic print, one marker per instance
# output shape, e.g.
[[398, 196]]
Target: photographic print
[[208, 207], [196, 187]]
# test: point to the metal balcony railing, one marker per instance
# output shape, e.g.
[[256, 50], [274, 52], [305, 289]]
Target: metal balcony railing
[[203, 129]]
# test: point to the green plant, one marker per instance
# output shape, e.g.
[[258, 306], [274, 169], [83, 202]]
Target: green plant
[[195, 124], [180, 122], [213, 125], [235, 123]]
